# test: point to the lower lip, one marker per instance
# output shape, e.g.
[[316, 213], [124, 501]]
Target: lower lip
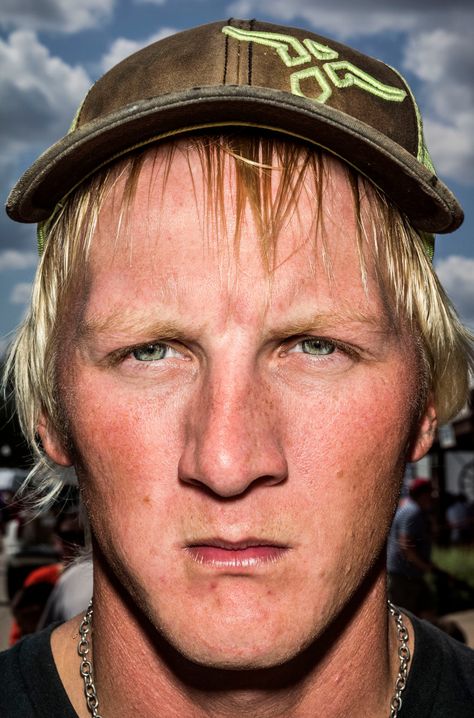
[[241, 558]]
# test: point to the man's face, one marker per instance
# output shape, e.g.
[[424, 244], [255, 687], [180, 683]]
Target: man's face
[[239, 436]]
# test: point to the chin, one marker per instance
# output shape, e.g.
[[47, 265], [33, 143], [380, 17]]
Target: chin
[[240, 656], [232, 644]]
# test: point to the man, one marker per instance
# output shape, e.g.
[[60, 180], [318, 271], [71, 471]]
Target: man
[[409, 550], [460, 520], [238, 341]]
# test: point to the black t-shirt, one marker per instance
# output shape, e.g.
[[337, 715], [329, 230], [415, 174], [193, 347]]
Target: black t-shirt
[[440, 683], [30, 683]]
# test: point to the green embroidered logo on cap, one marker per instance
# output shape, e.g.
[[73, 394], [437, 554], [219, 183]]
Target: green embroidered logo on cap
[[332, 73]]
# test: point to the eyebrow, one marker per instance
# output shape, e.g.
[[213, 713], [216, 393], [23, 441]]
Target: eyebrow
[[127, 324], [325, 321]]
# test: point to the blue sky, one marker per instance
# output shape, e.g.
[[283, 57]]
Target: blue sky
[[52, 50]]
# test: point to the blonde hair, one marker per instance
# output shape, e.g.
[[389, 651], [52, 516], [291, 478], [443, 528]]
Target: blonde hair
[[408, 283]]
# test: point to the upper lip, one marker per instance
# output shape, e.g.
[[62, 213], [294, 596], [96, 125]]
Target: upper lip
[[235, 545]]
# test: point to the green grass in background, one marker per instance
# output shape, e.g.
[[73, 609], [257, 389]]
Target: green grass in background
[[457, 561]]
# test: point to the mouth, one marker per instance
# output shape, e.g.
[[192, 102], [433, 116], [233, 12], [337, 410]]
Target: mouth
[[246, 554]]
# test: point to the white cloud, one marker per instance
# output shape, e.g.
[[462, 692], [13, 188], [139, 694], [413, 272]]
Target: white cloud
[[36, 79], [20, 293], [65, 16], [122, 47], [150, 2], [343, 18], [346, 18], [39, 95], [11, 259], [452, 143], [443, 59], [456, 274]]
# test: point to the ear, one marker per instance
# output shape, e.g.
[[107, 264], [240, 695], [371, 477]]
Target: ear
[[425, 432], [51, 443]]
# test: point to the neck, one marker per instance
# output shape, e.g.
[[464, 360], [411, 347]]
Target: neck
[[328, 678]]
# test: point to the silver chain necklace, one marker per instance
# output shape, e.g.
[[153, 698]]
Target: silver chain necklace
[[92, 701], [403, 657], [83, 648]]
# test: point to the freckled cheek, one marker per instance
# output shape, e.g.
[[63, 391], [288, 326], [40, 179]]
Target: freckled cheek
[[127, 460], [335, 442], [130, 446], [349, 410]]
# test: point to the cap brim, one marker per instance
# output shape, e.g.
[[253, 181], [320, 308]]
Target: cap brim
[[428, 203]]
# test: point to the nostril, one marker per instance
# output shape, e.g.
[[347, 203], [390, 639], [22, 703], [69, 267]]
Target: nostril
[[231, 488]]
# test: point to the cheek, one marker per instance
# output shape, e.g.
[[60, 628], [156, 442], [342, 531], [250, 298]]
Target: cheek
[[350, 425], [351, 451], [127, 453], [123, 430], [126, 466]]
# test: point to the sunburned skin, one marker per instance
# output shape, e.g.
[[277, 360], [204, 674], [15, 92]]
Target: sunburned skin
[[240, 439]]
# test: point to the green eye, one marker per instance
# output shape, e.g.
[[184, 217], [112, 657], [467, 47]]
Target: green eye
[[317, 347], [150, 352]]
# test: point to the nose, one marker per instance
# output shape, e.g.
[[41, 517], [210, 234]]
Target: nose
[[232, 438]]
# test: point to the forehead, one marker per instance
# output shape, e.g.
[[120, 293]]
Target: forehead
[[186, 223]]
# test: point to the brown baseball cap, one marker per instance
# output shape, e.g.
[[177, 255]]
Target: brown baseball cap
[[240, 73]]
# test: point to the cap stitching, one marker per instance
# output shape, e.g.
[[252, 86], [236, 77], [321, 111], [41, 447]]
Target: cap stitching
[[237, 74], [250, 54], [226, 54], [305, 50]]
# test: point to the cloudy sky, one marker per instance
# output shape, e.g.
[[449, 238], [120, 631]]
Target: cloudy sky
[[52, 50]]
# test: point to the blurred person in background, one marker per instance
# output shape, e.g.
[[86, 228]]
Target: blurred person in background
[[460, 519], [30, 603], [409, 551]]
